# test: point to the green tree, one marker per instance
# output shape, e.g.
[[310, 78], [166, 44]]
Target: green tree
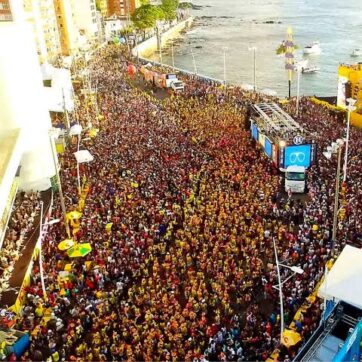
[[169, 8], [185, 5], [145, 16]]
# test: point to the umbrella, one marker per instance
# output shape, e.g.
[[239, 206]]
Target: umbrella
[[109, 226], [93, 132], [83, 156], [79, 250], [66, 244], [290, 338], [75, 130], [74, 215]]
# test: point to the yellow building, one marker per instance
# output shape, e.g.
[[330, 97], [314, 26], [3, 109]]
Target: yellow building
[[102, 6], [350, 86], [41, 13], [68, 31]]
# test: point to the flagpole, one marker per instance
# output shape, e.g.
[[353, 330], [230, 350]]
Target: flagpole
[[289, 59]]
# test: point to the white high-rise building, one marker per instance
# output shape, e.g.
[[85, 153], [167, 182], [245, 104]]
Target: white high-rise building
[[85, 14], [25, 120], [41, 13]]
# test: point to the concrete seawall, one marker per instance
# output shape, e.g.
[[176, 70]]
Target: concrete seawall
[[149, 46]]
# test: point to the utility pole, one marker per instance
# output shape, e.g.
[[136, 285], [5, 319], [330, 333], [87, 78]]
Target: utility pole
[[67, 123], [280, 290], [254, 48], [336, 199], [40, 251], [173, 57], [159, 40], [350, 108], [298, 86], [194, 61], [62, 203], [225, 49]]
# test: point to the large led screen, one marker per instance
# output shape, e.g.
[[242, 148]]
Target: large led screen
[[262, 139], [254, 132], [268, 148], [298, 156]]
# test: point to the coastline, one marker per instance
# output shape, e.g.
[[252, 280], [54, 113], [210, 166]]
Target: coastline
[[150, 46]]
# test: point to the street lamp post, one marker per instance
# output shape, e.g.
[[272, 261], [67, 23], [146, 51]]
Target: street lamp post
[[335, 147], [336, 199], [295, 270], [280, 291], [254, 48], [62, 203], [173, 57], [41, 225], [224, 51], [350, 109], [299, 68], [40, 251], [76, 130], [159, 40], [194, 61]]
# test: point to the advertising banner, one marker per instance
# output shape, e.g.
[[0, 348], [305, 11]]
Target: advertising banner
[[262, 139], [298, 156], [268, 148], [255, 132], [275, 155], [341, 93]]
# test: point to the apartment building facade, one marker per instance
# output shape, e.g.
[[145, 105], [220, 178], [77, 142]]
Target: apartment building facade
[[123, 8], [25, 120], [41, 13], [85, 14]]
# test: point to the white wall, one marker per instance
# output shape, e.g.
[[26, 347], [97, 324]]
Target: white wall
[[21, 103], [111, 26]]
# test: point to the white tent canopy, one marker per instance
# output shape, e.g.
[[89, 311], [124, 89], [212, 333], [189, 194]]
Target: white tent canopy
[[83, 156], [343, 282], [75, 130]]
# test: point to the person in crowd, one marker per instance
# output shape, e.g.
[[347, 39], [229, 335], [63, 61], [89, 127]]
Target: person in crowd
[[186, 271]]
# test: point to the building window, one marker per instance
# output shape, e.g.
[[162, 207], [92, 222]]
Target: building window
[[5, 17], [4, 6]]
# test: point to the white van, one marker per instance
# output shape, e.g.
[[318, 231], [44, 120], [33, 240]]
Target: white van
[[174, 83], [295, 179], [178, 86]]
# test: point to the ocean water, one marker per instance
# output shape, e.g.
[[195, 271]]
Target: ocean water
[[235, 25]]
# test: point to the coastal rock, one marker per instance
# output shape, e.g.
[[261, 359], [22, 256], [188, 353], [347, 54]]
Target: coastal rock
[[272, 22]]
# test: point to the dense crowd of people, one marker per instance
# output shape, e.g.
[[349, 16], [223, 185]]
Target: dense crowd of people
[[21, 223], [187, 269]]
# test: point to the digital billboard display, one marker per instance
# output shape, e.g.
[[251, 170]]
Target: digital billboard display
[[298, 156], [262, 139], [254, 131], [268, 148]]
